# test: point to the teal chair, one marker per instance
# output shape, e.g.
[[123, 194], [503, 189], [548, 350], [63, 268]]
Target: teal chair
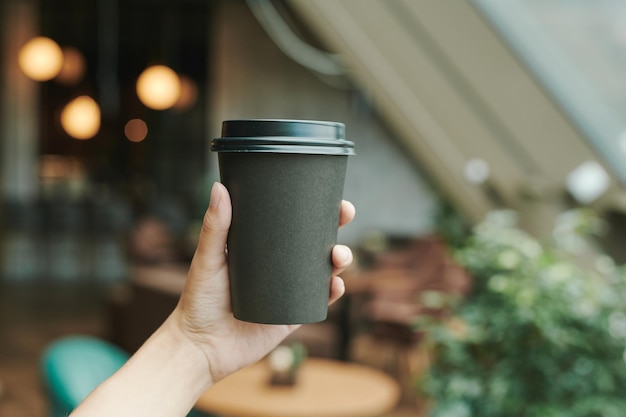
[[74, 366]]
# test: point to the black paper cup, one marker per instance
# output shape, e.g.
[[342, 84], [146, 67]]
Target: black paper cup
[[285, 179]]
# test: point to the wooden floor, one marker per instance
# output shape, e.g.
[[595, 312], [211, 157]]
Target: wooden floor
[[30, 318]]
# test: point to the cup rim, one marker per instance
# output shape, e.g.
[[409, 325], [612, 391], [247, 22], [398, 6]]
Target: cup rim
[[270, 144]]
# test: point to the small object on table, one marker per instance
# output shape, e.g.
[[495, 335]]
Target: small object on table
[[284, 362], [281, 362]]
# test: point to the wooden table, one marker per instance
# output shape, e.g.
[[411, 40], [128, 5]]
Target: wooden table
[[324, 388]]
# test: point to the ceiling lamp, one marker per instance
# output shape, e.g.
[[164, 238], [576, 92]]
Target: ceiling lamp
[[158, 87], [81, 118], [41, 59]]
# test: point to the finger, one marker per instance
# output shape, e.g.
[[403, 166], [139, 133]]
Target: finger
[[347, 213], [337, 289], [342, 258], [210, 254]]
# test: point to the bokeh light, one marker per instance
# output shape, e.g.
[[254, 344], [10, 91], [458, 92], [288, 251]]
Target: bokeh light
[[41, 59], [81, 118], [158, 87], [136, 130], [587, 182], [73, 68], [476, 171], [188, 93]]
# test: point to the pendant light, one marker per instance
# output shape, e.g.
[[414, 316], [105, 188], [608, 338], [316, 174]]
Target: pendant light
[[158, 87], [41, 59], [81, 118]]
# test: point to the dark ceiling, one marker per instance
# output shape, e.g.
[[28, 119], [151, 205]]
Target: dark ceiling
[[135, 33]]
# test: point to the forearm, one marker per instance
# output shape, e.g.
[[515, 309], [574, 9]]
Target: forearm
[[164, 378]]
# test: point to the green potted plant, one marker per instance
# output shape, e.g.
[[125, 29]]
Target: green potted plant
[[542, 332]]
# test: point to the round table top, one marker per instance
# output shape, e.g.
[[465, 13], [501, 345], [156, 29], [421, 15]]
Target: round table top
[[323, 388]]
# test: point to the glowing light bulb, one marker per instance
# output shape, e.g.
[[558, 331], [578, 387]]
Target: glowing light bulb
[[136, 130], [158, 87], [81, 118], [41, 59]]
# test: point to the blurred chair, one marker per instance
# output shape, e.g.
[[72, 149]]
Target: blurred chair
[[403, 282], [74, 366], [136, 311]]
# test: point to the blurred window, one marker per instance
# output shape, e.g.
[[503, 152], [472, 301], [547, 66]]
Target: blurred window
[[576, 49]]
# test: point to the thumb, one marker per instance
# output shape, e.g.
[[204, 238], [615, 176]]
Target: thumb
[[210, 254]]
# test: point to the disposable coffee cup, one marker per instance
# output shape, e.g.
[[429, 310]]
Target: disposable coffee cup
[[285, 179]]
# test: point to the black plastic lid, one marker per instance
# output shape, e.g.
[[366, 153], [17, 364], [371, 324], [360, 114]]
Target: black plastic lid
[[283, 136], [287, 128]]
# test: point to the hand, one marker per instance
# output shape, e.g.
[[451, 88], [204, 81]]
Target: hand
[[204, 313], [200, 342]]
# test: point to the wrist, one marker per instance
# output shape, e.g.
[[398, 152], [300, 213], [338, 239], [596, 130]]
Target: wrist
[[165, 377], [192, 357]]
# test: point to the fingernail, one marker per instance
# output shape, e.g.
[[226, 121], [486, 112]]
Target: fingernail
[[216, 195], [345, 254]]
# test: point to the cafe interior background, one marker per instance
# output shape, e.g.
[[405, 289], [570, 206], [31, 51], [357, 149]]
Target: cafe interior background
[[489, 183]]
